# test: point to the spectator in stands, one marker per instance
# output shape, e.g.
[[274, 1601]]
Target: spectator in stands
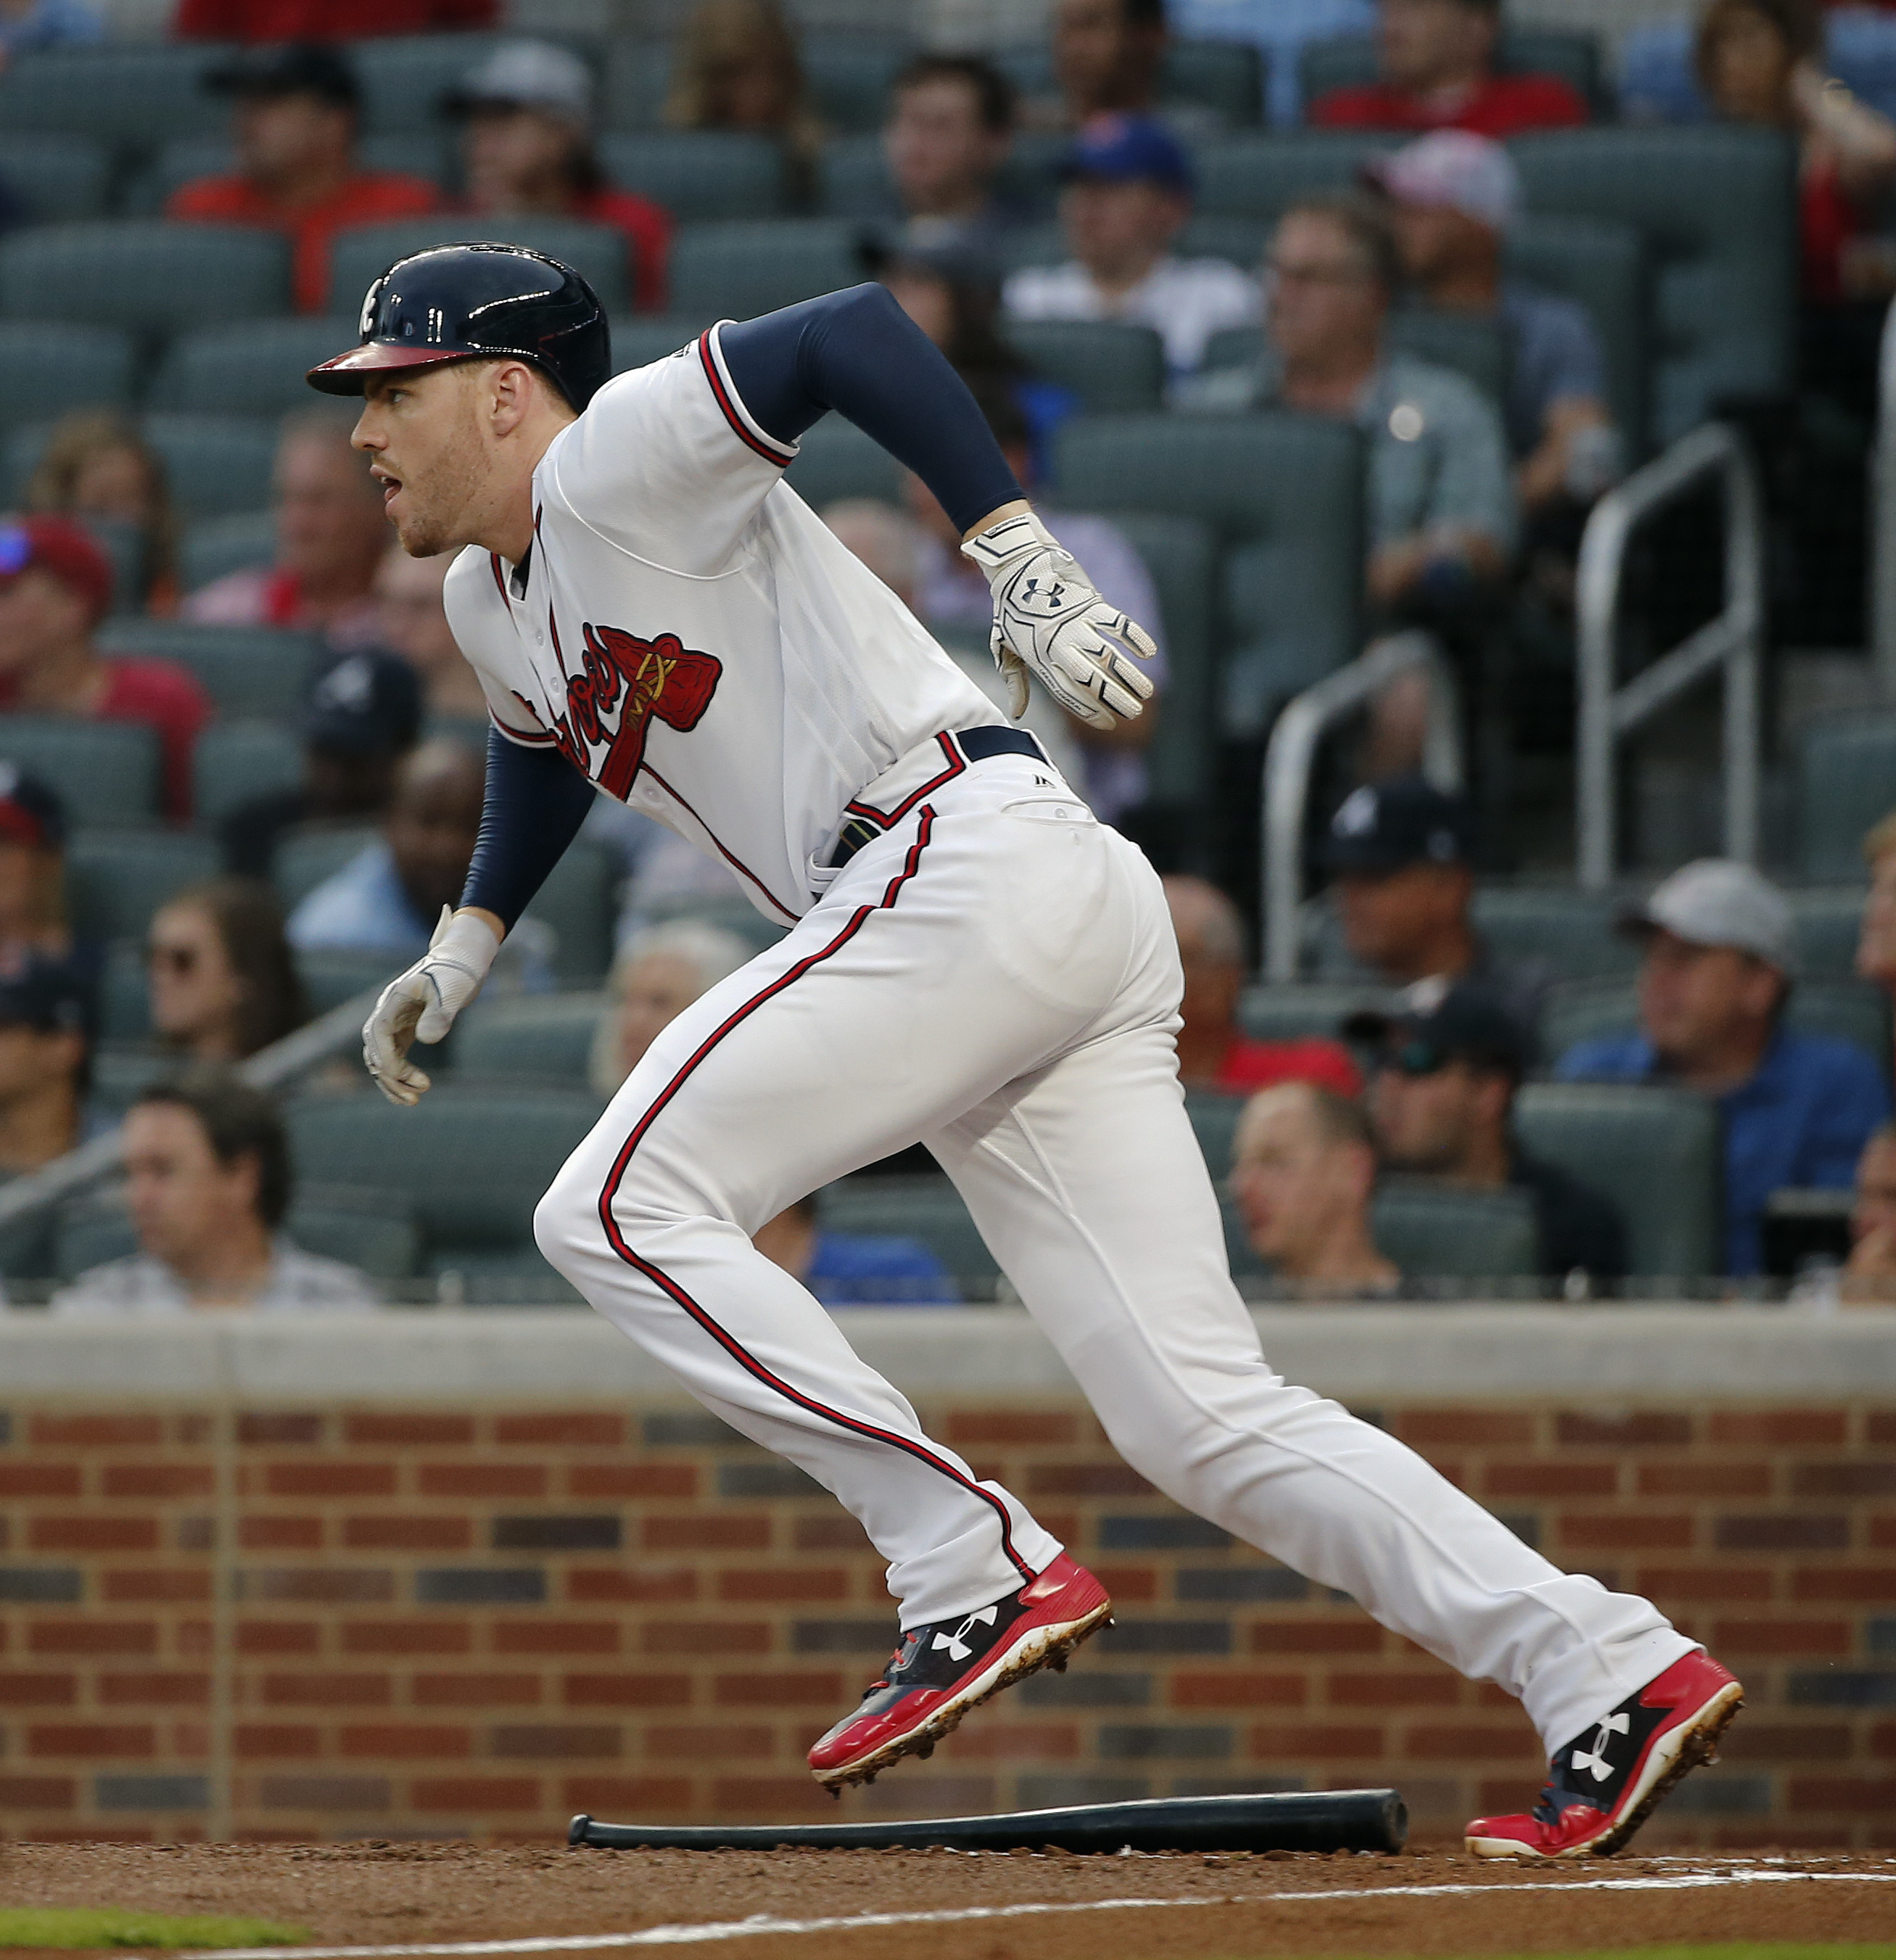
[[414, 626], [318, 20], [1399, 853], [1127, 197], [1441, 501], [659, 972], [223, 985], [1214, 1052], [1280, 30], [1442, 1102], [1713, 986], [1454, 198], [1303, 1170], [736, 66], [28, 27], [46, 1061], [96, 467], [331, 535], [951, 124], [297, 173], [1107, 57], [359, 718], [208, 1183], [1868, 1277], [852, 1269], [33, 868], [1876, 947], [527, 147], [1437, 70], [55, 587]]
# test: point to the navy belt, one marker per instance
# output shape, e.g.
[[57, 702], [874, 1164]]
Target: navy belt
[[976, 744]]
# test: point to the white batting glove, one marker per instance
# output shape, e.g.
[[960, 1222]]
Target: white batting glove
[[1047, 617], [421, 1004]]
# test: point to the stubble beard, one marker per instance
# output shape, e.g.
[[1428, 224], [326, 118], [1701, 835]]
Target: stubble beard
[[442, 517]]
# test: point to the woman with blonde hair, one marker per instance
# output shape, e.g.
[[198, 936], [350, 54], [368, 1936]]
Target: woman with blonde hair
[[96, 468], [737, 67]]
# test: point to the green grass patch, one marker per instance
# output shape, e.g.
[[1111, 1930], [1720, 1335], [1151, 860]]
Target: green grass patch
[[84, 1926]]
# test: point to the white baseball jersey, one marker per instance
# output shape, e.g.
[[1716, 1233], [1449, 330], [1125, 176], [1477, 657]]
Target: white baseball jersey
[[692, 636]]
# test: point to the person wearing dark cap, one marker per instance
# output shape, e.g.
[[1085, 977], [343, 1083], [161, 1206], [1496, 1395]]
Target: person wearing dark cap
[[32, 835], [56, 585], [1719, 962], [358, 721], [45, 1055], [1444, 1075], [1127, 197], [293, 124], [1399, 854]]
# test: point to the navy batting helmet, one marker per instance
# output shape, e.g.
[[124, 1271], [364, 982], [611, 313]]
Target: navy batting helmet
[[469, 302]]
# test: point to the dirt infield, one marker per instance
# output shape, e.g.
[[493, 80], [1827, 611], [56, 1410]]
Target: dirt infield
[[952, 1906]]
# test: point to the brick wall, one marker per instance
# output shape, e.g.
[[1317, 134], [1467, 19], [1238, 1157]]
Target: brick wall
[[460, 1623]]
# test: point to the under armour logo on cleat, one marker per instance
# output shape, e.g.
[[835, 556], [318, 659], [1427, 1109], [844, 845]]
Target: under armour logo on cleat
[[1595, 1759], [956, 1643]]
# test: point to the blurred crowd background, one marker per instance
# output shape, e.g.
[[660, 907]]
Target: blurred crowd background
[[1319, 328]]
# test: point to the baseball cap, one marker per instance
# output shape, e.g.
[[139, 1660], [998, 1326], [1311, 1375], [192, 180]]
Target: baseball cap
[[1716, 901], [526, 74], [58, 546], [30, 812], [1383, 827], [1128, 149], [1443, 1020], [369, 703], [51, 995], [1455, 169], [288, 68]]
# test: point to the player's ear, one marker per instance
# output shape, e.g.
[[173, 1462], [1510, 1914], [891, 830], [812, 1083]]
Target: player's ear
[[509, 387]]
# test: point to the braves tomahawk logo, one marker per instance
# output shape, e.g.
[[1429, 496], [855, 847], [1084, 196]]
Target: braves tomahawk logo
[[637, 678]]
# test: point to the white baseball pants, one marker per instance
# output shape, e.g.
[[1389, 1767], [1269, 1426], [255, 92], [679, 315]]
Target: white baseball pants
[[996, 977]]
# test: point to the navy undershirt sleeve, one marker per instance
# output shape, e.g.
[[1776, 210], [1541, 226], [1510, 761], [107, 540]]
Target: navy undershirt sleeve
[[858, 352], [535, 803]]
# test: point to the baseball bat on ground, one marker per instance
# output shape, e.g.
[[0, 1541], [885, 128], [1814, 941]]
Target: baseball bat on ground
[[1330, 1820]]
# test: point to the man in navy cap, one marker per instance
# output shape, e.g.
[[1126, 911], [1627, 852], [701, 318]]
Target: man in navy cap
[[1128, 195]]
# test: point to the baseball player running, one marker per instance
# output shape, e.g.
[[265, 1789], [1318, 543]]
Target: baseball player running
[[971, 961]]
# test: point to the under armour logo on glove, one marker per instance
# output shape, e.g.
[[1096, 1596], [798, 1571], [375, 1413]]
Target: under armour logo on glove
[[956, 1643], [1595, 1759]]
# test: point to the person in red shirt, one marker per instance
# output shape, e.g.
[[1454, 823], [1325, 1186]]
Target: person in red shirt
[[324, 19], [294, 127], [56, 585], [526, 146], [1213, 1051], [1436, 59]]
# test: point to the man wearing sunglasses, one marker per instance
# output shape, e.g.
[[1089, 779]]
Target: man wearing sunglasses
[[1442, 1102]]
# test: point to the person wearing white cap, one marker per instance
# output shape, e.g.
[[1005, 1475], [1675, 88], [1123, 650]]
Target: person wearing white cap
[[527, 147], [1717, 973], [1454, 198]]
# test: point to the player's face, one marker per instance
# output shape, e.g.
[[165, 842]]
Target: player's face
[[424, 443]]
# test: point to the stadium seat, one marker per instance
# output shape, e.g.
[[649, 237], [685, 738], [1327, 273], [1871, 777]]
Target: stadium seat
[[849, 76], [637, 73], [124, 1002], [213, 547], [72, 366], [315, 851], [1350, 61], [1181, 557], [698, 174], [1113, 368], [1558, 927], [638, 340], [1829, 921], [546, 1037], [521, 1278], [1717, 208], [1847, 1011], [1241, 240], [246, 670], [107, 769], [254, 368], [1294, 1010], [1434, 1231], [1846, 782], [405, 78], [129, 96], [598, 252], [852, 178], [835, 458], [116, 879], [235, 762], [576, 903], [217, 465], [1285, 491], [143, 274], [1656, 1152], [1606, 269], [927, 1208], [330, 979], [1656, 81], [415, 153], [60, 180], [732, 272], [120, 1075], [1214, 1123], [1257, 176]]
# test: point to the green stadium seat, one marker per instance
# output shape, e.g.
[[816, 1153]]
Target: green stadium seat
[[1846, 782], [120, 1074], [699, 174], [217, 465], [331, 978], [1258, 176], [639, 339], [1717, 208], [547, 1038], [1349, 62], [405, 78], [1113, 368], [734, 271], [849, 76], [128, 96], [1214, 1123], [1606, 269], [1181, 557], [214, 547], [1847, 1011], [72, 366], [577, 904], [637, 75], [235, 762], [124, 1001], [852, 178], [1243, 240], [927, 1208], [1225, 77], [1436, 1231], [116, 879], [1556, 926], [144, 274], [61, 180], [1295, 1009], [246, 670], [1829, 921], [314, 852], [835, 458], [412, 153], [107, 769], [255, 367], [600, 253], [1656, 1152]]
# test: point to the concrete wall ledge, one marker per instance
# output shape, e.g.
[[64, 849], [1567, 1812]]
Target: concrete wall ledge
[[1361, 1353]]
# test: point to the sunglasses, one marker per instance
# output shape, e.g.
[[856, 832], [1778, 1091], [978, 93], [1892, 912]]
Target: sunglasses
[[179, 960], [1414, 1057]]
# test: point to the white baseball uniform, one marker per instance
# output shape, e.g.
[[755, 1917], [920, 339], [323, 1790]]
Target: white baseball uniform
[[994, 974]]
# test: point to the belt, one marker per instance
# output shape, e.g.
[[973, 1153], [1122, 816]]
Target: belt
[[972, 745]]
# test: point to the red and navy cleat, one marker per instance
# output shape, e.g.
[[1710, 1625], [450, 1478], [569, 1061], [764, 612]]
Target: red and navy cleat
[[940, 1672], [1602, 1788]]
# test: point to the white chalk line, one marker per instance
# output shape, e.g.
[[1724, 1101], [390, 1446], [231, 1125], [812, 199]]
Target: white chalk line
[[759, 1923]]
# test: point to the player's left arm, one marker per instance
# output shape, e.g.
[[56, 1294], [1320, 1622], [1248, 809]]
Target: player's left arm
[[858, 352]]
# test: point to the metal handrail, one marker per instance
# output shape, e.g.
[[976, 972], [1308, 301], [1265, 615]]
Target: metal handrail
[[1733, 642], [1291, 756], [1882, 556]]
